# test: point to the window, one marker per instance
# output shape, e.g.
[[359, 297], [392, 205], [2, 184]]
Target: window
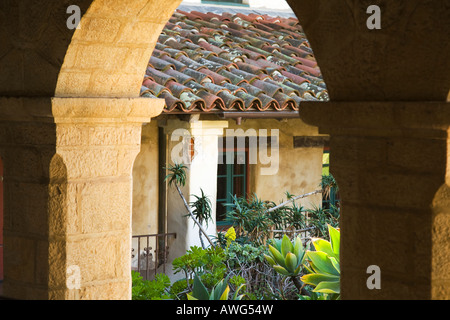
[[232, 179]]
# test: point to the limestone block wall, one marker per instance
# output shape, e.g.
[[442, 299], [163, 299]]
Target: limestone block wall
[[109, 54], [68, 189], [97, 144], [393, 180]]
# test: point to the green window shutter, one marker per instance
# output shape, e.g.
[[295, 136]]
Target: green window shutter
[[231, 181]]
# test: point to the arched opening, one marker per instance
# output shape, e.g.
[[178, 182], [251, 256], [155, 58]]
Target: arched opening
[[233, 81], [109, 55]]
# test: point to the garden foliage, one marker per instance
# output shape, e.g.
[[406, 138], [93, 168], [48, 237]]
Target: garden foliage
[[250, 260]]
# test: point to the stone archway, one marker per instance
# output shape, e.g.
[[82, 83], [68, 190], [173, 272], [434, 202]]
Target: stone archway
[[87, 83]]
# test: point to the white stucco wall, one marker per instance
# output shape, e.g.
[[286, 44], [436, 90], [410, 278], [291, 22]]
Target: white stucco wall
[[201, 174]]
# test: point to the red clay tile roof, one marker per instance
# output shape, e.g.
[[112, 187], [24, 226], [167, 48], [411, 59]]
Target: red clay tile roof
[[232, 62]]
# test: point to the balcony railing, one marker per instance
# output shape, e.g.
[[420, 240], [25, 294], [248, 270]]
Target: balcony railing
[[149, 253], [303, 233]]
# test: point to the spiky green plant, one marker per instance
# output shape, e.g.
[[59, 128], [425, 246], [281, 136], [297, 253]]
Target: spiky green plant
[[220, 291], [177, 174], [177, 177], [287, 258], [324, 266], [202, 211]]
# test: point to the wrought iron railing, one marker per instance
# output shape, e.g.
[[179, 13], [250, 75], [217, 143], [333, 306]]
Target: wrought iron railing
[[149, 253], [303, 233]]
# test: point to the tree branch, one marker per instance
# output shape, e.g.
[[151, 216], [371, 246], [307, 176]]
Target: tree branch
[[292, 200]]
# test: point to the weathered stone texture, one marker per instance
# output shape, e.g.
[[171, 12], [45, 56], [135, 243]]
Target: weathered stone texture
[[388, 172]]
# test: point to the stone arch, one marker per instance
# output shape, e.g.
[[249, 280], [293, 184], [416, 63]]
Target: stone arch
[[108, 56], [40, 56]]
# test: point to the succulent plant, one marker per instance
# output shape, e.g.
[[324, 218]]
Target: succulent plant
[[220, 291], [286, 257], [324, 265]]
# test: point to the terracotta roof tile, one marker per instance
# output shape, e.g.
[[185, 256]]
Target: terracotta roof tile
[[208, 62]]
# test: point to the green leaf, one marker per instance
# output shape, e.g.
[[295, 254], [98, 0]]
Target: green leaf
[[308, 269], [299, 268], [328, 287], [225, 293], [270, 260], [321, 263], [189, 297], [315, 278], [299, 250], [322, 245], [335, 236], [199, 291], [291, 262], [335, 264], [235, 296], [286, 246], [281, 270], [277, 244], [277, 256]]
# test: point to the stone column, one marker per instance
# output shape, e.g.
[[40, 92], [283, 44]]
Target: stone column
[[67, 188], [391, 163], [91, 194], [27, 145]]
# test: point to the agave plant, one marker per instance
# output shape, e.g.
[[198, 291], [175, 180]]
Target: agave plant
[[177, 177], [202, 211], [220, 291], [324, 265], [287, 258]]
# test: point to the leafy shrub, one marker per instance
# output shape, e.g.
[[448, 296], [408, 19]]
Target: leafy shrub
[[254, 221], [238, 255], [207, 262], [150, 290], [320, 218]]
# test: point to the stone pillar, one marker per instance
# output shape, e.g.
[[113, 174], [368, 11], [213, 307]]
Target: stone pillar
[[391, 162], [27, 145], [196, 145], [68, 189], [91, 194]]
